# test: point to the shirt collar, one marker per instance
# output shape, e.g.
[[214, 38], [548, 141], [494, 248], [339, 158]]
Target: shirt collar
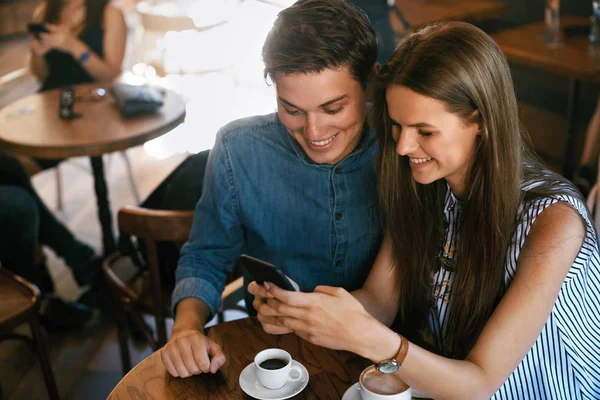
[[451, 201]]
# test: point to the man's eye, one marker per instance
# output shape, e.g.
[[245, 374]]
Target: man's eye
[[424, 133], [291, 112], [332, 112]]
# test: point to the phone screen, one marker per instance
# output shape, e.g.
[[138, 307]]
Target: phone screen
[[263, 272]]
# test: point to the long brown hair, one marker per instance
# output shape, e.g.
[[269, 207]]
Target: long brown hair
[[461, 66], [94, 11]]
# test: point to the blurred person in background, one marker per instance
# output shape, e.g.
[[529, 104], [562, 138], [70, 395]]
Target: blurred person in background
[[25, 224], [85, 43], [587, 174]]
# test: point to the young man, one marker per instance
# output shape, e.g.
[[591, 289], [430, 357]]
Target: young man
[[296, 188]]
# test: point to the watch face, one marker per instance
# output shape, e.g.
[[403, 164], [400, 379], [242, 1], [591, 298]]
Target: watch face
[[388, 367]]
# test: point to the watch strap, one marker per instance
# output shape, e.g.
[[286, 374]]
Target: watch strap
[[402, 351], [392, 365], [84, 56]]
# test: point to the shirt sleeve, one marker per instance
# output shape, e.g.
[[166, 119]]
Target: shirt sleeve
[[217, 235]]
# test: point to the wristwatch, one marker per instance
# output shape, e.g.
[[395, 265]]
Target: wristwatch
[[392, 365], [84, 57]]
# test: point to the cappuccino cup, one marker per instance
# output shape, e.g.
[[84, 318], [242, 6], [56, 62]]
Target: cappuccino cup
[[274, 368], [375, 385]]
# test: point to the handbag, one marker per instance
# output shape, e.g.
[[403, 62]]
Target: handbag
[[134, 100]]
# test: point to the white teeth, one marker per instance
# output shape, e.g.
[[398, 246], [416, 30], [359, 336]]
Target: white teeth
[[323, 142], [419, 160]]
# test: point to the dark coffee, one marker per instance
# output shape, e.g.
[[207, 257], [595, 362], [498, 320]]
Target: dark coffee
[[273, 363]]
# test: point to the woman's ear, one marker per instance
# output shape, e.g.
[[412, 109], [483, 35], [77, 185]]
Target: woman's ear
[[475, 118]]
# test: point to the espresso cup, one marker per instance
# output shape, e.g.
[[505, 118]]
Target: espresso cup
[[274, 368], [375, 385]]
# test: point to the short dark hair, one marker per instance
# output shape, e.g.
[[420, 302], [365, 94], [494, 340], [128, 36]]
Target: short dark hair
[[313, 35]]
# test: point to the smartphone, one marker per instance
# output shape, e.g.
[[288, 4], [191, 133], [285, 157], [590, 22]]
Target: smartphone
[[263, 272], [36, 29]]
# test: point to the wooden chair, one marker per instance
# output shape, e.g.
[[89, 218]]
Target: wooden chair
[[145, 291], [20, 303]]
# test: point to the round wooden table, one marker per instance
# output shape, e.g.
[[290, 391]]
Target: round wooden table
[[331, 372], [31, 126]]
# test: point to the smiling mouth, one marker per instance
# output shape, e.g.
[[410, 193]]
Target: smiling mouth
[[420, 160], [322, 143]]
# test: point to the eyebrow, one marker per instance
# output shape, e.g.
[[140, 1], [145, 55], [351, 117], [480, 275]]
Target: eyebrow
[[417, 125], [326, 104]]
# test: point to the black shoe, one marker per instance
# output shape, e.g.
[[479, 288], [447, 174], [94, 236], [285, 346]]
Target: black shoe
[[60, 314], [89, 272], [46, 285]]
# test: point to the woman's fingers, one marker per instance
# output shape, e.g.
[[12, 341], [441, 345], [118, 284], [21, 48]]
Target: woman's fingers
[[297, 299], [281, 308], [258, 290], [261, 307], [272, 325]]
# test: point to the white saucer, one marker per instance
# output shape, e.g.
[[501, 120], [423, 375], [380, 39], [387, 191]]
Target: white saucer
[[353, 393], [252, 387]]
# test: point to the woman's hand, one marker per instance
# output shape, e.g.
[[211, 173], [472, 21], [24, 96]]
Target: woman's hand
[[38, 48], [61, 38], [330, 317], [266, 315]]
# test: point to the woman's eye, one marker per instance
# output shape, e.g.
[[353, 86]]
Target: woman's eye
[[423, 133], [291, 112], [332, 112]]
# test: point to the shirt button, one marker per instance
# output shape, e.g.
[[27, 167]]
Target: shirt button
[[338, 263], [338, 216]]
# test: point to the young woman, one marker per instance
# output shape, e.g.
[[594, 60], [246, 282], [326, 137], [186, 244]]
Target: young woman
[[85, 43], [490, 264]]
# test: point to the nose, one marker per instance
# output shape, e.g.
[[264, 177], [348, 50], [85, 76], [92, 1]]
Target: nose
[[407, 142], [312, 129]]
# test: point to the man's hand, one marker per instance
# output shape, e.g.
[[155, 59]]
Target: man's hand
[[189, 352]]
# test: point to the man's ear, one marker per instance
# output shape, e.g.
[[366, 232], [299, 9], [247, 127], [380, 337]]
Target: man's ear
[[376, 68]]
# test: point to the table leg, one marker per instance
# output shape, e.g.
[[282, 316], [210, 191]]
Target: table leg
[[108, 237], [570, 161]]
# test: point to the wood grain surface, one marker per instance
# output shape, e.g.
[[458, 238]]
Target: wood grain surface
[[31, 126], [576, 58], [331, 372], [418, 12]]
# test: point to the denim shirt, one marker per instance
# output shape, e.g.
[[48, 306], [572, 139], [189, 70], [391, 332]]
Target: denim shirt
[[264, 197]]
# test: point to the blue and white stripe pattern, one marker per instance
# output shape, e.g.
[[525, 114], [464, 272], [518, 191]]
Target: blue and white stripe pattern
[[564, 362]]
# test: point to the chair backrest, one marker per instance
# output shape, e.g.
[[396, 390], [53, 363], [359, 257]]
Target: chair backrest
[[154, 226]]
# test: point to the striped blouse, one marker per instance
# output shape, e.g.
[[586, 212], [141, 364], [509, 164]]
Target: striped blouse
[[564, 362]]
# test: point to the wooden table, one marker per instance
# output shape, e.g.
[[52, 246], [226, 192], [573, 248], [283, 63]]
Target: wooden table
[[31, 126], [331, 372], [574, 59], [418, 12]]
